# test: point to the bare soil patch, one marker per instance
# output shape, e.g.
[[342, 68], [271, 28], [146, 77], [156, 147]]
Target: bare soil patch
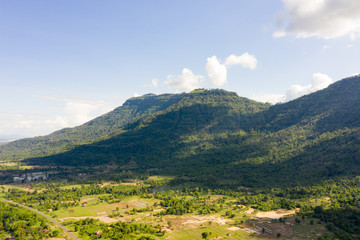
[[187, 222], [233, 228], [250, 211], [275, 214], [135, 203]]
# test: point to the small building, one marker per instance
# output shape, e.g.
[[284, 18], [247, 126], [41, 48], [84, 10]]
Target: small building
[[84, 204], [19, 179]]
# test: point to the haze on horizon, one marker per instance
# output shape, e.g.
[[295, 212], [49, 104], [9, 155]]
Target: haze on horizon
[[63, 64]]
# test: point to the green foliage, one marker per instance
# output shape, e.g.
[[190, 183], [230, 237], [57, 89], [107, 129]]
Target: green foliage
[[103, 127], [96, 230], [22, 223], [205, 235], [219, 139], [55, 197]]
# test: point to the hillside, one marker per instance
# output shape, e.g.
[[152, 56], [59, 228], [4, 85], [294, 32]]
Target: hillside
[[216, 137], [97, 129]]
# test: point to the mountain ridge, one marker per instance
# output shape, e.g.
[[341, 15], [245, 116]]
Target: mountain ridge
[[95, 130], [217, 137]]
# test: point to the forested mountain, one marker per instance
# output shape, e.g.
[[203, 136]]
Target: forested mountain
[[97, 129], [216, 137]]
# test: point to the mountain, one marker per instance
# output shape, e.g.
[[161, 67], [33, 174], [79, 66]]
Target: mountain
[[158, 137], [95, 130], [218, 138]]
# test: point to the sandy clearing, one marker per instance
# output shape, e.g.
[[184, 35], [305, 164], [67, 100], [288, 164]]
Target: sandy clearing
[[205, 219], [275, 214], [233, 228], [250, 211]]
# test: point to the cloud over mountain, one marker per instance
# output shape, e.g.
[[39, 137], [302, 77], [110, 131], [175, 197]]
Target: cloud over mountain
[[187, 81], [319, 18], [319, 81], [217, 71], [246, 60]]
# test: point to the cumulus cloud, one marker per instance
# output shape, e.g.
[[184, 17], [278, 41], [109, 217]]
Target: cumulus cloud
[[217, 71], [187, 81], [246, 60], [320, 18], [319, 81], [269, 98], [78, 111], [155, 82], [27, 125]]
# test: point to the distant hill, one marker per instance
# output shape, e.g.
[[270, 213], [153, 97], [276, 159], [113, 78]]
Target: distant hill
[[97, 129], [218, 138], [4, 141]]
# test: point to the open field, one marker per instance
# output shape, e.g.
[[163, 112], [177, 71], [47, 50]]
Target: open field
[[227, 219]]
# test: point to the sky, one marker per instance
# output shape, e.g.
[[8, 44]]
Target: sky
[[63, 63]]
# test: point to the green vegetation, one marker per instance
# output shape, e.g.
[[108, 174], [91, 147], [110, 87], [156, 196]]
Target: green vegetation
[[94, 229], [218, 139], [227, 156], [331, 208], [100, 128], [23, 224]]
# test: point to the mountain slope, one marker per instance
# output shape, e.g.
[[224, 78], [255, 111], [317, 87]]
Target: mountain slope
[[95, 130], [219, 138], [160, 136]]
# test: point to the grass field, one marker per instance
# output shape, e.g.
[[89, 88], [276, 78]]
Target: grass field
[[245, 224], [217, 232], [305, 230]]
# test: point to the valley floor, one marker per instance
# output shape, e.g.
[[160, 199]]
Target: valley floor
[[129, 211]]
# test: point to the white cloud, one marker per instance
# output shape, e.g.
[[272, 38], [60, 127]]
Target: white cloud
[[25, 125], [319, 81], [269, 98], [320, 18], [187, 81], [77, 111], [246, 60], [136, 95], [216, 71], [155, 82]]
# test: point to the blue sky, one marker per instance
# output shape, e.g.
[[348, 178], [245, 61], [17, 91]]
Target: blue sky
[[63, 63]]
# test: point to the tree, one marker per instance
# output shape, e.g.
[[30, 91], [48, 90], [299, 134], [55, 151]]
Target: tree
[[205, 235]]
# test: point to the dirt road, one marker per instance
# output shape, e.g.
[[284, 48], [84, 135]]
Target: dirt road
[[45, 216]]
